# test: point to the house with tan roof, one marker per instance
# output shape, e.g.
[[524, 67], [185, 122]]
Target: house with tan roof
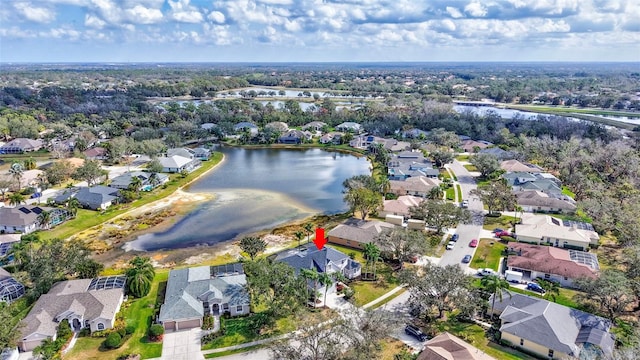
[[517, 166], [96, 153], [85, 303], [355, 233], [449, 347], [538, 201], [417, 186], [21, 145], [400, 206], [545, 229], [473, 145], [552, 263]]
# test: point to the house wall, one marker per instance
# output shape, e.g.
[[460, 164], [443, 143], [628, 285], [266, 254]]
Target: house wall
[[530, 346], [108, 324], [565, 282], [345, 242], [29, 345], [18, 229], [415, 224], [551, 240], [233, 310]]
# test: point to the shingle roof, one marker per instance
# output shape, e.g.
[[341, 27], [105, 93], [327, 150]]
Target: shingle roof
[[547, 259], [551, 325], [402, 204], [536, 226], [420, 184], [21, 215], [174, 161], [96, 196], [188, 288], [359, 230], [449, 347], [23, 143], [327, 260], [515, 165], [538, 198]]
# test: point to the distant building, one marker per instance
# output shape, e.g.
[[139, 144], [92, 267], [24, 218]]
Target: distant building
[[355, 233], [350, 127], [517, 166], [21, 145]]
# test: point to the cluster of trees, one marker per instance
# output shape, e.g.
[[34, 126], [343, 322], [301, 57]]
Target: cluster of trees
[[364, 194], [439, 214]]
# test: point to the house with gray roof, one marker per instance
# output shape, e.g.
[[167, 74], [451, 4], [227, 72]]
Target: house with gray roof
[[10, 288], [315, 126], [498, 153], [201, 153], [21, 145], [24, 218], [148, 180], [550, 330], [177, 163], [85, 303], [294, 137], [195, 292], [350, 126], [355, 233], [241, 126]]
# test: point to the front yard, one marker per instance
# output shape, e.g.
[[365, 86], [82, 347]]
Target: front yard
[[503, 222], [488, 254]]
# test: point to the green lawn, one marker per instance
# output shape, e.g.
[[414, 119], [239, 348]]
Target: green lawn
[[566, 191], [477, 336], [470, 167], [89, 218], [462, 158], [451, 193], [445, 174], [566, 297], [140, 313], [231, 352], [502, 222], [488, 254], [459, 190], [240, 331]]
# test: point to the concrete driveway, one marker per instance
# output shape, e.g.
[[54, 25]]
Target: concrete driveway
[[182, 345]]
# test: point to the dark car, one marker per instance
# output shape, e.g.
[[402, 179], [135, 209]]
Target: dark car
[[455, 237], [535, 287], [497, 230], [415, 332], [36, 195], [466, 259]]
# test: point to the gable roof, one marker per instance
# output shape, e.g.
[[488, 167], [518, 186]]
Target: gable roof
[[552, 260], [21, 215], [538, 226], [539, 198], [67, 298], [184, 152], [96, 196], [515, 165], [416, 183], [497, 152], [23, 143], [188, 289], [359, 230], [551, 325], [449, 347], [175, 161], [124, 180], [95, 152], [401, 204]]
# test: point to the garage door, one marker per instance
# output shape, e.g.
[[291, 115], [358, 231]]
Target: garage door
[[169, 325], [188, 324]]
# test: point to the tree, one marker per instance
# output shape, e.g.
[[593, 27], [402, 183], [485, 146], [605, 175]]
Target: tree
[[551, 288], [44, 219], [252, 245], [90, 172], [496, 195], [58, 172], [9, 334], [299, 235], [496, 286], [72, 206], [319, 337], [29, 164], [440, 288], [611, 292], [311, 275], [363, 200], [441, 157], [118, 147], [17, 171], [325, 280], [308, 227], [154, 166], [135, 185], [436, 193], [276, 287], [487, 164], [4, 188], [139, 276], [16, 199], [440, 214], [402, 243], [372, 254]]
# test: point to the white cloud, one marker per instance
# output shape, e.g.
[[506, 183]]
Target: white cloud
[[142, 15], [34, 13], [94, 21], [454, 12], [183, 12], [217, 17], [475, 9]]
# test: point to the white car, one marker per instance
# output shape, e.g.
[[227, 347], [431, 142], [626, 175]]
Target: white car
[[465, 204], [486, 272], [450, 245]]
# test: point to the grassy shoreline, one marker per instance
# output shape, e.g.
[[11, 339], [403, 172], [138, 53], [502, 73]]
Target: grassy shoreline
[[583, 114]]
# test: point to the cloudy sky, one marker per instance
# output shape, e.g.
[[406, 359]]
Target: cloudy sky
[[318, 30]]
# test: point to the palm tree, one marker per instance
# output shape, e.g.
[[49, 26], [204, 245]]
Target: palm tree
[[311, 274], [16, 199], [44, 219], [299, 235], [72, 206], [371, 253], [17, 171], [436, 193], [139, 276], [308, 227], [495, 285], [135, 185], [551, 288], [325, 280], [384, 185]]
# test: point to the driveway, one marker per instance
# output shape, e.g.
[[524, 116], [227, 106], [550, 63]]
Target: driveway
[[182, 345]]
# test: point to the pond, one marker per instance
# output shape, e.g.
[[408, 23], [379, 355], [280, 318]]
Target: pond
[[257, 189]]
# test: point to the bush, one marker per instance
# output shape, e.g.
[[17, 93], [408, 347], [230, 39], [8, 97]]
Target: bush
[[64, 329], [122, 332], [113, 341], [348, 293], [156, 331], [130, 329]]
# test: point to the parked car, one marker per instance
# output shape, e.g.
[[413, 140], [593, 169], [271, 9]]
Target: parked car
[[36, 195], [466, 259], [414, 331], [455, 237], [503, 233], [465, 204], [486, 272], [450, 245], [535, 287], [473, 243], [497, 230]]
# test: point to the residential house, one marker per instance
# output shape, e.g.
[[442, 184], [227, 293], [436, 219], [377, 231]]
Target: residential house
[[195, 292], [517, 166], [96, 197], [96, 153], [208, 126], [449, 347], [415, 134], [550, 330], [293, 137], [201, 153], [326, 260], [278, 126], [21, 145], [184, 152], [245, 125], [355, 233], [86, 303], [177, 163], [551, 263], [148, 180], [417, 186], [23, 219], [350, 127], [333, 137], [471, 146], [410, 164], [545, 229], [498, 153], [7, 241], [538, 201], [544, 185], [400, 206], [314, 126], [10, 288]]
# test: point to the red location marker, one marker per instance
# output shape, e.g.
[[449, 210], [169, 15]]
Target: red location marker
[[320, 240]]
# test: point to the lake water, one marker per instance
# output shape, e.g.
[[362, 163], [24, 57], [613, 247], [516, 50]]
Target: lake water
[[257, 189], [510, 113]]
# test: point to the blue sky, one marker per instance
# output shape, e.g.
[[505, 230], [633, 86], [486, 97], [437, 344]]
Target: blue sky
[[318, 30]]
